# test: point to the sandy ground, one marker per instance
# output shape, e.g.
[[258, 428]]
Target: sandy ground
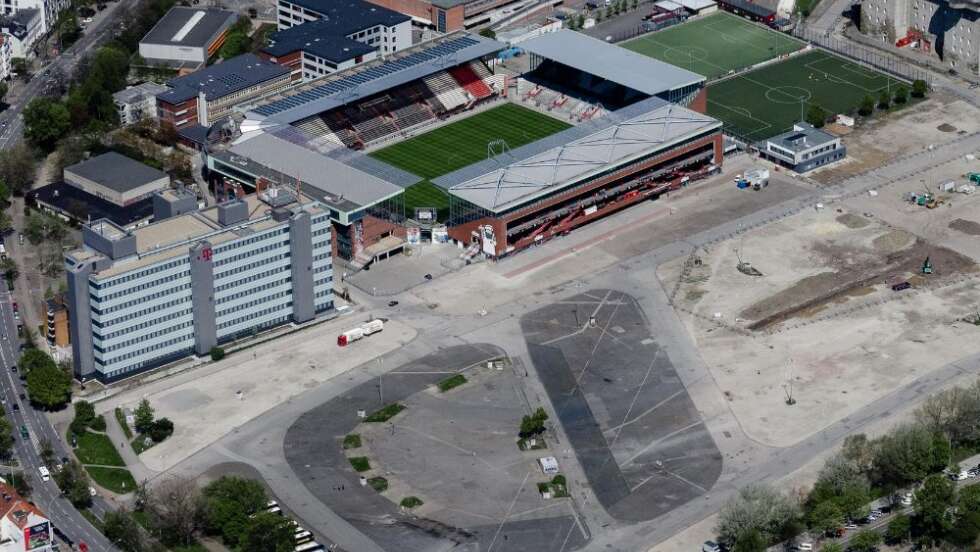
[[832, 352], [228, 393], [934, 121]]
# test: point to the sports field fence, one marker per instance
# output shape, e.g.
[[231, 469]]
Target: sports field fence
[[843, 47]]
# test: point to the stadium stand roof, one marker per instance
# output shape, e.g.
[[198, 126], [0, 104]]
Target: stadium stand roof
[[227, 77], [346, 86], [328, 37], [750, 7], [597, 57], [525, 179], [335, 183], [194, 27], [696, 5]]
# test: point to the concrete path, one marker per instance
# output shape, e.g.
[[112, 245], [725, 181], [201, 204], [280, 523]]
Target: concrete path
[[118, 436]]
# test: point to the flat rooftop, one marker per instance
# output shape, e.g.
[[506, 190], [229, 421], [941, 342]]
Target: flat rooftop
[[322, 177], [613, 63], [222, 79], [116, 172], [516, 182], [361, 81], [190, 27], [173, 237], [803, 137]]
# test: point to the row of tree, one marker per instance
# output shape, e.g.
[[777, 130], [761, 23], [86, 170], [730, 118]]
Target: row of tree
[[911, 456], [817, 115], [176, 511]]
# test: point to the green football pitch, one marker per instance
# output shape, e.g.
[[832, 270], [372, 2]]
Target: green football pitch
[[460, 144], [714, 45], [767, 101]]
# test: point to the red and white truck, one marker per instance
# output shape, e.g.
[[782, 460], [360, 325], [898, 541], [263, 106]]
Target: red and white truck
[[363, 330]]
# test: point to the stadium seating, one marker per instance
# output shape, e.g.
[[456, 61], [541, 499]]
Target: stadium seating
[[470, 81], [446, 90]]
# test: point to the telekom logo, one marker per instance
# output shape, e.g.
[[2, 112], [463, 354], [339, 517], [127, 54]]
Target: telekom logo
[[206, 254]]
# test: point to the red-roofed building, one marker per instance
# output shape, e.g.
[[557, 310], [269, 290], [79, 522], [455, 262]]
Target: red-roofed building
[[23, 528]]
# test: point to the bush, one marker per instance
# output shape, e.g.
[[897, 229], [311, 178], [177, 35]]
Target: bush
[[816, 116], [121, 418], [901, 95], [161, 429], [919, 88], [360, 463], [867, 106], [379, 484], [217, 353], [451, 382], [352, 441], [884, 100], [98, 424], [385, 413], [411, 502]]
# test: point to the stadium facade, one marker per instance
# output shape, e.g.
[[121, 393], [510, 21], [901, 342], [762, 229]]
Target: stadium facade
[[185, 284]]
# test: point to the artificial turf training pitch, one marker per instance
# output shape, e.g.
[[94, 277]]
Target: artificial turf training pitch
[[767, 101], [460, 144], [714, 45]]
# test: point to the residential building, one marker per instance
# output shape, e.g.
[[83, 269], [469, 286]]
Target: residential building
[[185, 38], [23, 525], [319, 37], [803, 149], [139, 102], [21, 29], [48, 11], [208, 95], [948, 30], [183, 285], [5, 55], [57, 332]]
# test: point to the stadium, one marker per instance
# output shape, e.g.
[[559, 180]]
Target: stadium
[[500, 160]]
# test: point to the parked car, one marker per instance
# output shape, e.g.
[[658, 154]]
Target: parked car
[[16, 407], [45, 474], [710, 546], [392, 303]]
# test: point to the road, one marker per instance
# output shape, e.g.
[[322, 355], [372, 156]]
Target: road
[[45, 494], [65, 64]]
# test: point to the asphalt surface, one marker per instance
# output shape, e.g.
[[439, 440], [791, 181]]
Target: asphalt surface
[[100, 28], [45, 494], [633, 426]]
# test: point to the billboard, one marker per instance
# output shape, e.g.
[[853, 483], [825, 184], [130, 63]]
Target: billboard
[[37, 536], [413, 235], [425, 214]]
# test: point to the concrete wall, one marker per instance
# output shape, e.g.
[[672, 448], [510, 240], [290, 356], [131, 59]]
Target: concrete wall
[[80, 319], [202, 296], [301, 242]]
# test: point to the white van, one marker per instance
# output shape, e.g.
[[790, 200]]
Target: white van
[[549, 465], [45, 474]]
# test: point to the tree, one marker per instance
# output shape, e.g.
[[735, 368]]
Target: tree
[[144, 416], [267, 532], [48, 385], [45, 122], [867, 106], [74, 484], [968, 499], [826, 518], [931, 503], [899, 529], [6, 438], [816, 115], [965, 529], [533, 424], [919, 88], [832, 547], [84, 413], [161, 429], [751, 541], [122, 530], [175, 506], [229, 502], [756, 508], [9, 268], [884, 100], [903, 456], [866, 540], [3, 90], [17, 168], [237, 41], [488, 32], [41, 227], [47, 452], [901, 95]]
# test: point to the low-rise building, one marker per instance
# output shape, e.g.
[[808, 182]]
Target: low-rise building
[[48, 11], [803, 149], [21, 29], [208, 95], [186, 284], [139, 102], [23, 526], [318, 38], [185, 38]]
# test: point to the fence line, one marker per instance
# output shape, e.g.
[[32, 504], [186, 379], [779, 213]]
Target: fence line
[[883, 62]]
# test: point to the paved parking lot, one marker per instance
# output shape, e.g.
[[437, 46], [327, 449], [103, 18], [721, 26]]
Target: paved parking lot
[[634, 429]]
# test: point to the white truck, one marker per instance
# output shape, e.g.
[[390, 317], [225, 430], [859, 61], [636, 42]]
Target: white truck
[[359, 332]]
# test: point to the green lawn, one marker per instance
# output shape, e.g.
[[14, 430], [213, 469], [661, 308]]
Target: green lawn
[[97, 449], [766, 102], [117, 480], [451, 382], [385, 414], [464, 142], [715, 45]]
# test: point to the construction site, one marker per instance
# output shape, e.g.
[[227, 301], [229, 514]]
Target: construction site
[[807, 319]]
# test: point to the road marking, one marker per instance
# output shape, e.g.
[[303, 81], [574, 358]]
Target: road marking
[[507, 513]]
